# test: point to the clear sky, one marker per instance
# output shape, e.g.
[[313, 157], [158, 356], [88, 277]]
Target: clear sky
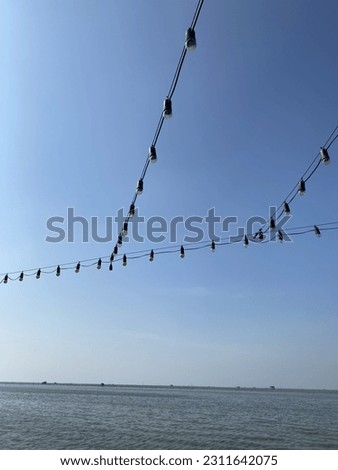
[[82, 85]]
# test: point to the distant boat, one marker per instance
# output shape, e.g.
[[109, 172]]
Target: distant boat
[[272, 387]]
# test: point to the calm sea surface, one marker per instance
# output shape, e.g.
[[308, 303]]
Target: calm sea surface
[[94, 417]]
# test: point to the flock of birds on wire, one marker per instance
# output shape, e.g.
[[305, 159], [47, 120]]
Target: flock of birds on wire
[[322, 157]]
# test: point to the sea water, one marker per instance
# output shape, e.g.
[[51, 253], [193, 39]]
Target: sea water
[[133, 417]]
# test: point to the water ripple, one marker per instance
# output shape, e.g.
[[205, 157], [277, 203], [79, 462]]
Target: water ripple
[[89, 417]]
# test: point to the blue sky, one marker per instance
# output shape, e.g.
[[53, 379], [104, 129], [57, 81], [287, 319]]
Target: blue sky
[[82, 86]]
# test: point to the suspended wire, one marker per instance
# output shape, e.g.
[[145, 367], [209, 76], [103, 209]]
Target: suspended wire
[[169, 95], [179, 248], [92, 261], [110, 259], [329, 228], [332, 142], [184, 51], [318, 225], [177, 74], [301, 232], [305, 177], [156, 136], [197, 14], [330, 136]]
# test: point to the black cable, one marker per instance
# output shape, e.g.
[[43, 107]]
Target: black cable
[[328, 139], [158, 130], [177, 74], [318, 225], [197, 13], [329, 228], [184, 51], [169, 250], [170, 95], [331, 142], [312, 172], [300, 233], [294, 190], [230, 240]]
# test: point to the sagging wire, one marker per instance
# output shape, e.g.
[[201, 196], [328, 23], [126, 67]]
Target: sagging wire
[[189, 45], [181, 249], [322, 157]]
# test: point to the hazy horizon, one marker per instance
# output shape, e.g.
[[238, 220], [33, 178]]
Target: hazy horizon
[[111, 384]]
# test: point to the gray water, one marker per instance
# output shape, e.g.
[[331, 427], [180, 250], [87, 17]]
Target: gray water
[[94, 417]]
